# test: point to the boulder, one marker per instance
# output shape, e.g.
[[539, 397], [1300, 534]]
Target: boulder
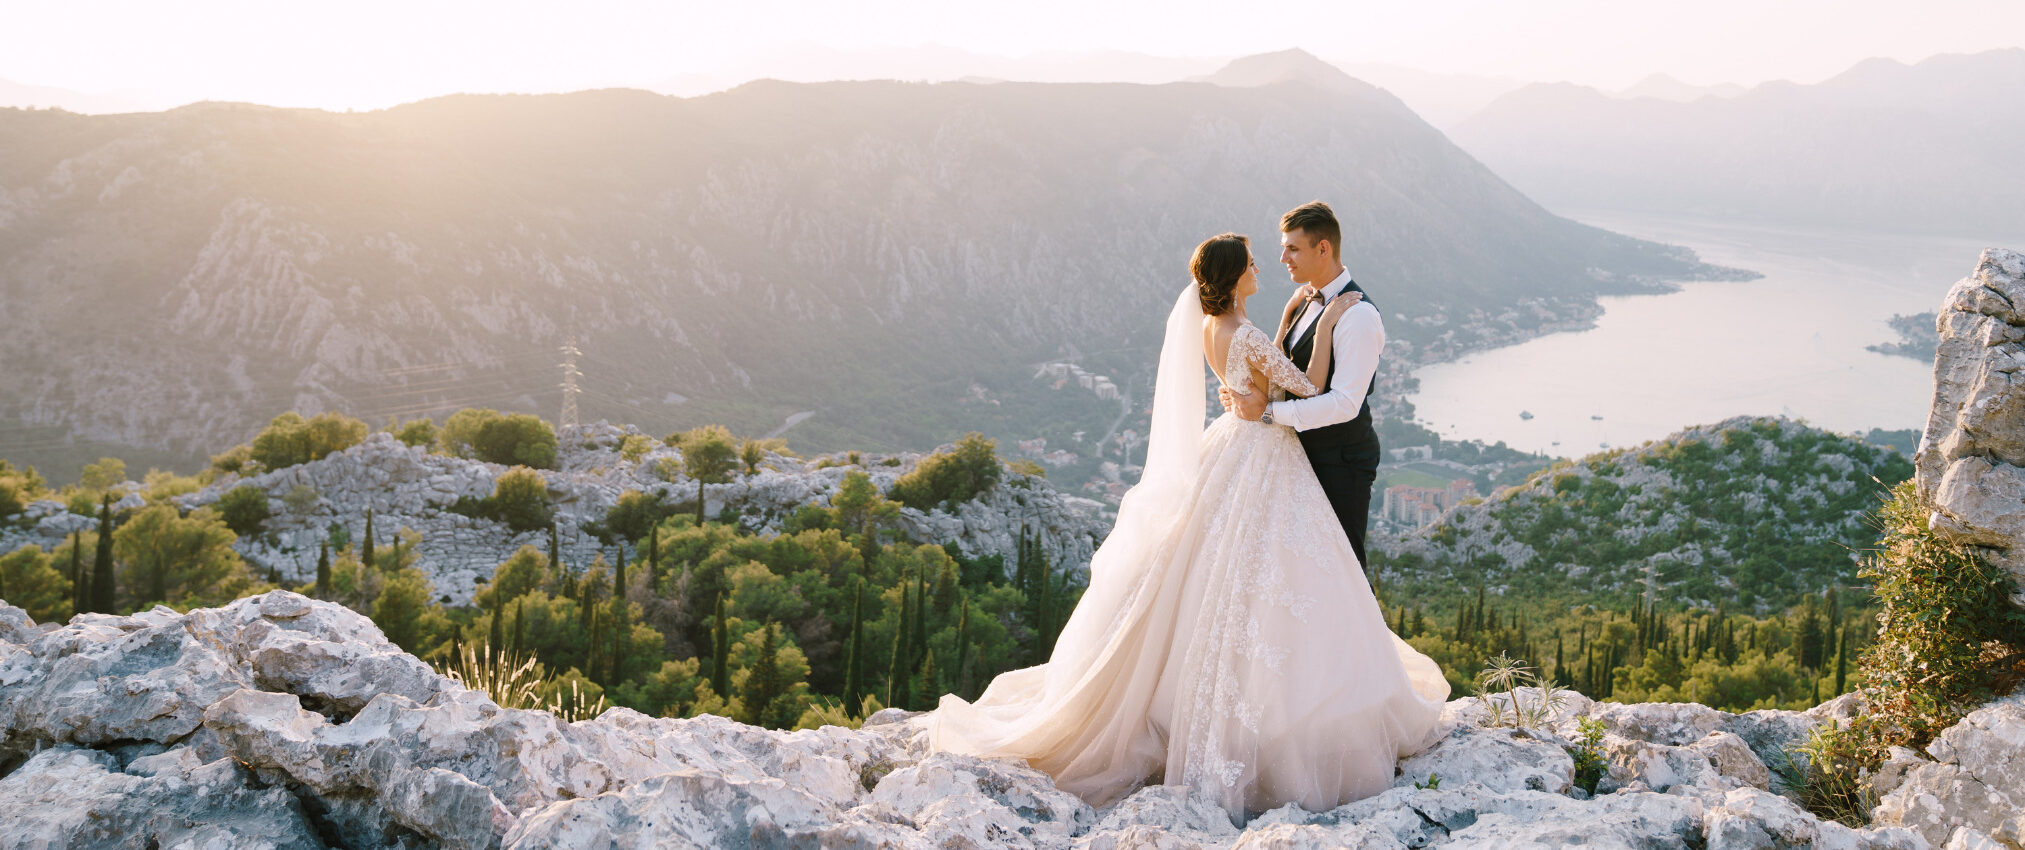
[[1976, 780], [1971, 461]]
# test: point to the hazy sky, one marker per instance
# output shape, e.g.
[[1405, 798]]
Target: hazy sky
[[372, 53]]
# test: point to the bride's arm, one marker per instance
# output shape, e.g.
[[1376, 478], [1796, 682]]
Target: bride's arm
[[1260, 354], [1293, 311]]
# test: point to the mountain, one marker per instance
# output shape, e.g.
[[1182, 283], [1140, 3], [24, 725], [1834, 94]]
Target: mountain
[[1749, 513], [895, 258], [1910, 148], [1665, 87], [1443, 99], [51, 97], [936, 63]]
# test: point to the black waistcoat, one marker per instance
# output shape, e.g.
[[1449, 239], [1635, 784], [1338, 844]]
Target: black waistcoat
[[1356, 433]]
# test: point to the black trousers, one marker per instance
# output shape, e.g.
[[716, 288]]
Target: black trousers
[[1347, 473]]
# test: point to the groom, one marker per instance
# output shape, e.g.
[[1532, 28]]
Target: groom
[[1335, 425]]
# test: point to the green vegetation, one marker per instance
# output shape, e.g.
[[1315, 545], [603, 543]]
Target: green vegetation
[[945, 479], [1946, 638], [291, 439], [709, 456], [519, 499], [244, 509], [508, 439], [181, 561], [30, 581], [417, 432], [1756, 513]]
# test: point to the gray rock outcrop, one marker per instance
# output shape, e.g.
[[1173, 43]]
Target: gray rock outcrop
[[282, 722], [411, 488], [1971, 462], [1974, 788]]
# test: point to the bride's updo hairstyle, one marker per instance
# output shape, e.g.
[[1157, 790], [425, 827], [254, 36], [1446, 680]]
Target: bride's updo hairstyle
[[1217, 265]]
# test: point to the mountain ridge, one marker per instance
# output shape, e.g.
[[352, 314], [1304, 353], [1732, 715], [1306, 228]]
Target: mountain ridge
[[848, 248]]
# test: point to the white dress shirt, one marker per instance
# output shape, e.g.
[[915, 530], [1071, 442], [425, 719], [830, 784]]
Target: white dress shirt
[[1359, 337]]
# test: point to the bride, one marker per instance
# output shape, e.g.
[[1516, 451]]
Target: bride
[[1228, 640]]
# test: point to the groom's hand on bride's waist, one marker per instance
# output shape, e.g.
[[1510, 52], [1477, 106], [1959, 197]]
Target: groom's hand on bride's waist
[[1247, 406]]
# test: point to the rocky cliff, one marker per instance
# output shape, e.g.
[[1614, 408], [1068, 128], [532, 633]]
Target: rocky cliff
[[408, 487], [282, 722], [1971, 462]]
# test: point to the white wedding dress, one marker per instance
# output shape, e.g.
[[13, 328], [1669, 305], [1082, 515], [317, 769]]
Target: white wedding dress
[[1228, 640]]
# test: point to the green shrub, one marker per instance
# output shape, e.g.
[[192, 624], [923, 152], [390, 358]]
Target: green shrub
[[635, 514], [1946, 635], [520, 499], [290, 439], [488, 435], [31, 580], [244, 509], [11, 500], [103, 475], [946, 479], [635, 446], [301, 499], [419, 432], [234, 459]]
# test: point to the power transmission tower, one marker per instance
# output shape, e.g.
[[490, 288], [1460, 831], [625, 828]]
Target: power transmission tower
[[569, 383]]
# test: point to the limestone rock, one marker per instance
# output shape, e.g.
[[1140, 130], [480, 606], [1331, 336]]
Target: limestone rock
[[1971, 462], [281, 721], [67, 797], [15, 625], [1501, 759], [1977, 779]]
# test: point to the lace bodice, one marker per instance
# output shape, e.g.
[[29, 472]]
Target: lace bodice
[[1250, 347]]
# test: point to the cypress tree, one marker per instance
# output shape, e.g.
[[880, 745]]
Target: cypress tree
[[763, 684], [366, 554], [102, 562], [594, 658], [619, 577], [77, 576], [919, 636], [1560, 672], [621, 627], [495, 637], [1415, 628], [896, 673], [654, 559], [720, 652], [931, 684], [854, 687], [1841, 660], [322, 569], [963, 657], [519, 626], [555, 549]]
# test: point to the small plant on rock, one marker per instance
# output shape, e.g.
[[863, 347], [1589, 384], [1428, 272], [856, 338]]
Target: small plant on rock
[[1498, 688], [511, 681], [1588, 754]]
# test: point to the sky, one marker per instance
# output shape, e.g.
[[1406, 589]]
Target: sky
[[376, 53]]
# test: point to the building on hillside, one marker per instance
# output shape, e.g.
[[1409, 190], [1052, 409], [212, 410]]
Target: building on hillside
[[1417, 507]]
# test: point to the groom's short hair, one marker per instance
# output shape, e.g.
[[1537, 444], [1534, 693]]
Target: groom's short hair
[[1318, 221]]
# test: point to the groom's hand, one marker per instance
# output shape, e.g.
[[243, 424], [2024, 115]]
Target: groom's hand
[[1246, 406]]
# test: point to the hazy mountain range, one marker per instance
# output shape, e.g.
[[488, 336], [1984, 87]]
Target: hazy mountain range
[[1930, 147], [895, 257]]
